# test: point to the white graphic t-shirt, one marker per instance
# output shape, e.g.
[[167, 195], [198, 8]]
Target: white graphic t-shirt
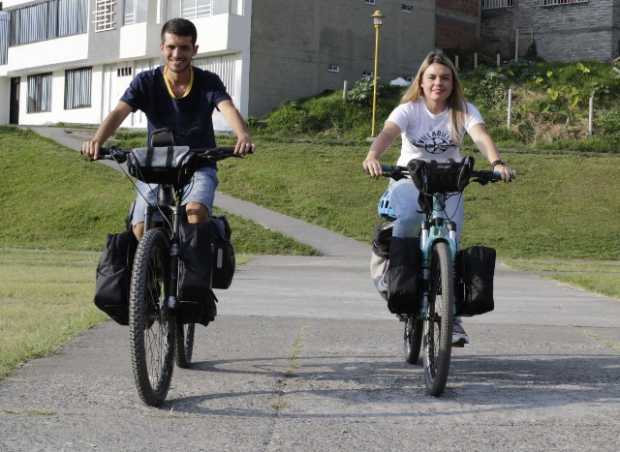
[[427, 136]]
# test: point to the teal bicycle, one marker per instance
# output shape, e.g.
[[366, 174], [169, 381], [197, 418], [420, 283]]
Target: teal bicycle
[[430, 329]]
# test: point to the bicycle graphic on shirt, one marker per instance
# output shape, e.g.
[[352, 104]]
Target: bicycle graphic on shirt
[[434, 142]]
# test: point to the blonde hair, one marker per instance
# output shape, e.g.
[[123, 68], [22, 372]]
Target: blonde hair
[[456, 100]]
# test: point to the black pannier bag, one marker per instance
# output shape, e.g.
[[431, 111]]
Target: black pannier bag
[[475, 268], [403, 275], [195, 258], [223, 253], [196, 300], [114, 276]]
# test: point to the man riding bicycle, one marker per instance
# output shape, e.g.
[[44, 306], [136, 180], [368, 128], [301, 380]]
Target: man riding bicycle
[[179, 97]]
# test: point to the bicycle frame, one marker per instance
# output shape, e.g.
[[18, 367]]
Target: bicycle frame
[[165, 195], [437, 227]]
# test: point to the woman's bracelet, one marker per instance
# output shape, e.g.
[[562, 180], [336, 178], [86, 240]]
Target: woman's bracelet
[[497, 162]]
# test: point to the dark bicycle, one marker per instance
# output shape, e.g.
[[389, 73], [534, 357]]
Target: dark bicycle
[[430, 328], [158, 328]]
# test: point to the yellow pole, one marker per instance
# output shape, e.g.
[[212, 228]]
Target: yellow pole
[[376, 70]]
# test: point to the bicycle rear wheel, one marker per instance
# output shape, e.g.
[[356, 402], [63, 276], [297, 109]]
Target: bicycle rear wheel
[[151, 328], [437, 340], [412, 339], [185, 344]]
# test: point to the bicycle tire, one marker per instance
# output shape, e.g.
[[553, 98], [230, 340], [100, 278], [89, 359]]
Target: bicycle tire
[[437, 340], [185, 344], [151, 330], [412, 339]]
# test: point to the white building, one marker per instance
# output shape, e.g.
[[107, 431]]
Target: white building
[[71, 60]]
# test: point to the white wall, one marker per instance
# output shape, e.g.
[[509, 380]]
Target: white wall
[[58, 113], [133, 40], [47, 53]]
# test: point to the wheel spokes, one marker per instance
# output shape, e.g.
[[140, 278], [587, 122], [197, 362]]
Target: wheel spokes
[[155, 327]]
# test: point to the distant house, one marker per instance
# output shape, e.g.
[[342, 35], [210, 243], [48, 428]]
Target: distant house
[[71, 60], [564, 30]]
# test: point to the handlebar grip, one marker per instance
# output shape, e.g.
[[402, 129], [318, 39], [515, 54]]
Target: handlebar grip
[[387, 169], [113, 153]]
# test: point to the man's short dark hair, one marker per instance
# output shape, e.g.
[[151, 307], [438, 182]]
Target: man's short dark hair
[[180, 27]]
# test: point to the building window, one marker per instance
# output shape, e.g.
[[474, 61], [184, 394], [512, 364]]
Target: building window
[[48, 20], [104, 15], [333, 68], [560, 2], [406, 7], [77, 88], [4, 37], [39, 93], [370, 2], [134, 12], [192, 9]]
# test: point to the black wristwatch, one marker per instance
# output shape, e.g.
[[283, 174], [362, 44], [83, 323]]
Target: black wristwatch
[[497, 162]]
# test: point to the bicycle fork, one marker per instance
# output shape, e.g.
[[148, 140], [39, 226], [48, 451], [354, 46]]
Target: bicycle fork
[[437, 229]]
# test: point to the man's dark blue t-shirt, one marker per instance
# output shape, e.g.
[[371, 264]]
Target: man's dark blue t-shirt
[[189, 117]]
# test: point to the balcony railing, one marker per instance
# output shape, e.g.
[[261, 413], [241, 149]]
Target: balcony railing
[[496, 4], [560, 2]]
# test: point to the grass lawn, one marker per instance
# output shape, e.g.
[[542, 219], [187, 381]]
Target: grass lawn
[[53, 199], [595, 276], [45, 299]]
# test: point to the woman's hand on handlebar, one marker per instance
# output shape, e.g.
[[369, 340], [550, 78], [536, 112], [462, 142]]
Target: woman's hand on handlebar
[[90, 149], [505, 172], [372, 166]]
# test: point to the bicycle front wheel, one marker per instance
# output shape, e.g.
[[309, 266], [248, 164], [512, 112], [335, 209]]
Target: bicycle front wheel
[[437, 340], [185, 344], [151, 327]]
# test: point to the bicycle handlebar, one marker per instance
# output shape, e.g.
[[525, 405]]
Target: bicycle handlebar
[[399, 172], [211, 154]]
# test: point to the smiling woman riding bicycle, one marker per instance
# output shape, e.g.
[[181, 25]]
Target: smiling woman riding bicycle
[[432, 120]]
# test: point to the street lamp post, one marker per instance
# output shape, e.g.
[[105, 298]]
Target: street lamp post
[[377, 21]]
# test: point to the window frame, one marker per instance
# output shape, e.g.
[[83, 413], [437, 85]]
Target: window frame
[[37, 105], [104, 15], [77, 89], [196, 7]]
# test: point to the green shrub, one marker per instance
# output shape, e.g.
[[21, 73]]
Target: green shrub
[[290, 118], [362, 90]]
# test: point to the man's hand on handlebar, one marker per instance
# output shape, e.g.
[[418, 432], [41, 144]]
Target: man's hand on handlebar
[[90, 149], [244, 146], [372, 166]]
